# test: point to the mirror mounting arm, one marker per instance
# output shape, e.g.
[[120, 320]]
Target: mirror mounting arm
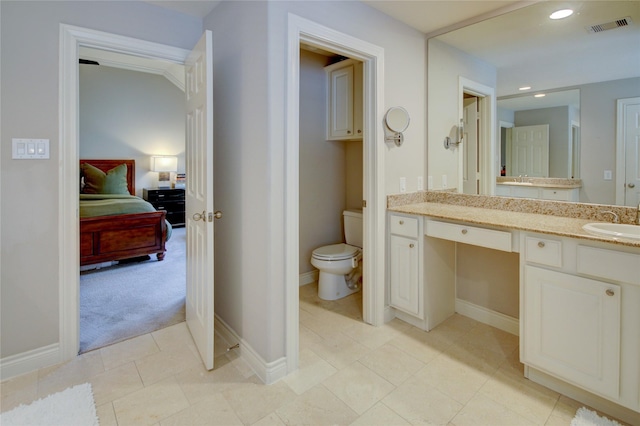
[[448, 143]]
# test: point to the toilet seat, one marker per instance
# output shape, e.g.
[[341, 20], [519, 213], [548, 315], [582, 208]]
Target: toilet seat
[[335, 252]]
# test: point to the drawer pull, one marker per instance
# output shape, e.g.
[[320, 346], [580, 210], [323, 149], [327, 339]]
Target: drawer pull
[[610, 292], [411, 245], [401, 222], [541, 244], [464, 232]]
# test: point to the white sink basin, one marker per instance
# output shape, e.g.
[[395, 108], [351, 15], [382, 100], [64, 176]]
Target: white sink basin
[[613, 230]]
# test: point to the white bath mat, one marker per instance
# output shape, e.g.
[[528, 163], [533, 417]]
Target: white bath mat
[[586, 417], [71, 407]]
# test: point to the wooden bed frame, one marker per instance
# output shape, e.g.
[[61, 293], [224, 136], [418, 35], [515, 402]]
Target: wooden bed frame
[[111, 238]]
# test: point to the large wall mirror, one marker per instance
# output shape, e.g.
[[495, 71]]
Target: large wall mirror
[[583, 65]]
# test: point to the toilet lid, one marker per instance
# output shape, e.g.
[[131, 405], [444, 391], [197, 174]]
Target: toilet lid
[[335, 252]]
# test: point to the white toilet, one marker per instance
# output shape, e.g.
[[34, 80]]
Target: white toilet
[[340, 265]]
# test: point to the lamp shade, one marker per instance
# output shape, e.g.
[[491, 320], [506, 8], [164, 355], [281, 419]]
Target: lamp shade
[[164, 163]]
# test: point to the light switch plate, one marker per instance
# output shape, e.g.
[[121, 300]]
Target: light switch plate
[[29, 149], [420, 183], [403, 184], [608, 175]]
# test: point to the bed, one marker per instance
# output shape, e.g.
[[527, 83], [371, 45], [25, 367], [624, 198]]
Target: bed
[[114, 224]]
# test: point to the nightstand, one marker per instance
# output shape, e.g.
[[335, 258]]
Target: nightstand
[[167, 199]]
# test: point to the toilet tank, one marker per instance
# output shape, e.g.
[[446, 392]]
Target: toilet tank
[[353, 227]]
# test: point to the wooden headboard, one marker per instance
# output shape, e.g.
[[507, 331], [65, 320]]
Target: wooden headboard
[[106, 165]]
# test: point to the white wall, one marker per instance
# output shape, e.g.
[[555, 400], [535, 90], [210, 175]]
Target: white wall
[[446, 66], [29, 32], [130, 114]]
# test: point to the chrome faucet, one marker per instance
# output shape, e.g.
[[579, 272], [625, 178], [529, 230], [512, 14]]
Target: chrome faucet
[[616, 219]]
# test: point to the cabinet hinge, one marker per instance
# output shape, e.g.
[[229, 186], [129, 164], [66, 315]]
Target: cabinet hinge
[[364, 204]]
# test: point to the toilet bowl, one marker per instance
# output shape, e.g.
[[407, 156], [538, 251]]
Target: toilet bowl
[[340, 265]]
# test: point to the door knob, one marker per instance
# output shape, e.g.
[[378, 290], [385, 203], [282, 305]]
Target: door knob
[[631, 185], [200, 216], [217, 214]]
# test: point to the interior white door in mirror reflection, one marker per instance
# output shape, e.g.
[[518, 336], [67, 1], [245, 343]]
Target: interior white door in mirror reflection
[[632, 156], [530, 151], [471, 167]]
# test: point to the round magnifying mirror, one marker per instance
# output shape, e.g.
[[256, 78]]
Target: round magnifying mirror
[[397, 119]]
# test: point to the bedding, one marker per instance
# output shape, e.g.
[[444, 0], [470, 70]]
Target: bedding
[[114, 224], [92, 205]]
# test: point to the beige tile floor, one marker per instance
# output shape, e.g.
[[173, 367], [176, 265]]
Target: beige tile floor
[[461, 373]]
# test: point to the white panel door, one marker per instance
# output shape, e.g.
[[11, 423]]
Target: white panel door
[[470, 171], [530, 151], [199, 197], [405, 283], [632, 155]]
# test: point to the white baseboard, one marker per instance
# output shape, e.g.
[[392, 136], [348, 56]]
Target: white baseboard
[[268, 372], [309, 277], [489, 317], [26, 362]]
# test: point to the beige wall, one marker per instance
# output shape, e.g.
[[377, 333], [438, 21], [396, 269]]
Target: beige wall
[[598, 136], [488, 278]]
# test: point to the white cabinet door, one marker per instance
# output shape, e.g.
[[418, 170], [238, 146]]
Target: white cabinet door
[[341, 103], [571, 329], [405, 285]]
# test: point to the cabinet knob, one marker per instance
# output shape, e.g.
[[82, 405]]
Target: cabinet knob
[[401, 222], [413, 245], [541, 244], [359, 131], [610, 292], [348, 132], [464, 232]]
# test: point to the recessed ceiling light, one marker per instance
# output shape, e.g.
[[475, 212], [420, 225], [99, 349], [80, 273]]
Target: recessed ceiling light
[[560, 14], [524, 88], [539, 95]]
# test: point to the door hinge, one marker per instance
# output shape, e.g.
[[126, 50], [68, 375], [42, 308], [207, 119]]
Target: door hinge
[[364, 204]]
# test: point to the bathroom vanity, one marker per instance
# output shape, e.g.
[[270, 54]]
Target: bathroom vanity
[[579, 294], [539, 188]]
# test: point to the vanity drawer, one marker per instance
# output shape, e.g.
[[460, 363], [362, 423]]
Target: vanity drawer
[[489, 238], [543, 251], [403, 225], [609, 264]]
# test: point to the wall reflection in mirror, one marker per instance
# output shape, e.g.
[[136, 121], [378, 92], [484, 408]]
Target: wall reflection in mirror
[[573, 132]]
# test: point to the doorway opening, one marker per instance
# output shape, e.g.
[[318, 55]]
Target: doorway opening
[[131, 108], [310, 33], [331, 166], [71, 39], [478, 159]]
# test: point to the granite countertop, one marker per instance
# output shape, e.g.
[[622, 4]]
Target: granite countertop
[[511, 220], [558, 183]]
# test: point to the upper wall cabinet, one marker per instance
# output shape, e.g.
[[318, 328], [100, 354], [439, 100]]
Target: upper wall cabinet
[[344, 100]]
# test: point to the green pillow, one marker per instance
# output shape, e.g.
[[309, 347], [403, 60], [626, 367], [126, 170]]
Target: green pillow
[[98, 182]]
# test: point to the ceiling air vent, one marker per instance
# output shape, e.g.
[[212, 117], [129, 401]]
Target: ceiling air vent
[[598, 28]]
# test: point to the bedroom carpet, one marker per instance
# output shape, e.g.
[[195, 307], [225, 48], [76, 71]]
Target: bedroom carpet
[[134, 298]]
